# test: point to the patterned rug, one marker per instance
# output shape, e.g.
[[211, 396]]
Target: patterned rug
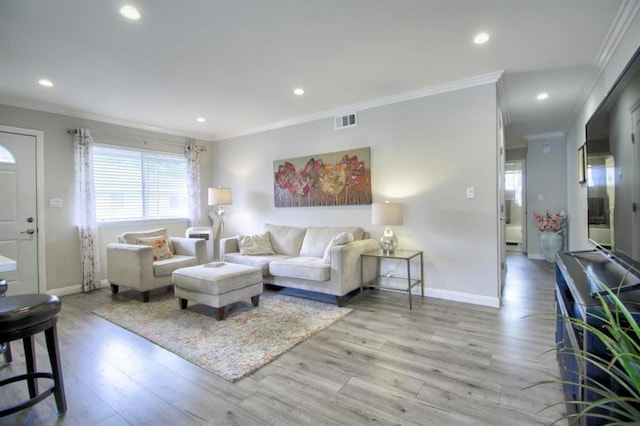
[[246, 340]]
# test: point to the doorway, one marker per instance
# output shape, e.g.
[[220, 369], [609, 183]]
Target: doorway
[[514, 205], [20, 210]]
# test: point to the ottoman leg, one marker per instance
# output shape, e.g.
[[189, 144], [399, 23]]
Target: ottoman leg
[[219, 314], [183, 303], [255, 300]]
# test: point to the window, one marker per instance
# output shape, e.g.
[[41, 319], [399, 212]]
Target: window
[[133, 185]]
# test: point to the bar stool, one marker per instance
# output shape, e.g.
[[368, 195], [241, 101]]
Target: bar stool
[[21, 317]]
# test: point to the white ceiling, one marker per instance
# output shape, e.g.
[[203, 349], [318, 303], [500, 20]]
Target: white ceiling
[[236, 62]]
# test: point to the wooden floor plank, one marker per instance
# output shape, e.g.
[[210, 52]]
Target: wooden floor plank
[[443, 362]]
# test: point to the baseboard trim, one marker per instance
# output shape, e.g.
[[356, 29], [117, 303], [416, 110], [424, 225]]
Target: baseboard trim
[[456, 296], [535, 256], [73, 289]]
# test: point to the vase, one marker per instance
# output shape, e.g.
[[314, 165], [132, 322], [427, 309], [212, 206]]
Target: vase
[[550, 243]]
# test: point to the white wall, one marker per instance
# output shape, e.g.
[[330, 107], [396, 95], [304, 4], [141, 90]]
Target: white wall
[[577, 193], [546, 191], [424, 154], [62, 250]]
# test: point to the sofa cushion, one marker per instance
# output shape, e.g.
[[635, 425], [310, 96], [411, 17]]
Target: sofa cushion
[[132, 237], [253, 245], [261, 262], [306, 268], [340, 239], [167, 266], [285, 240], [160, 245], [317, 238]]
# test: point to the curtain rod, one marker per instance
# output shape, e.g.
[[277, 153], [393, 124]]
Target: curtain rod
[[139, 138]]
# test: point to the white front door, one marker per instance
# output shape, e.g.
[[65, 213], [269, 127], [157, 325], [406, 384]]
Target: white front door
[[18, 214]]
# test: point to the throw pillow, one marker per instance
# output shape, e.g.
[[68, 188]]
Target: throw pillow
[[341, 238], [161, 247], [254, 245]]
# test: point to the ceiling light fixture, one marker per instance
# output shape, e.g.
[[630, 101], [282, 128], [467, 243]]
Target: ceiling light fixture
[[44, 82], [130, 12], [201, 119], [299, 91], [481, 38], [542, 96]]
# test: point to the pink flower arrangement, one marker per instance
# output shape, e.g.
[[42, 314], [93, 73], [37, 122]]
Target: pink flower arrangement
[[550, 222]]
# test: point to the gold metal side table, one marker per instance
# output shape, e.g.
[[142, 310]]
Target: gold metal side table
[[392, 282]]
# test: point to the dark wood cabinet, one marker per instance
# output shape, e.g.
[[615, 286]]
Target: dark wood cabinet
[[579, 276]]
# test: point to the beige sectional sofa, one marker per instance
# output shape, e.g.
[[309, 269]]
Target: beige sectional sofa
[[297, 257]]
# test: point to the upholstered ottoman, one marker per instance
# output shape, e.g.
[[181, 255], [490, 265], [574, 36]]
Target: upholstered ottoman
[[218, 286]]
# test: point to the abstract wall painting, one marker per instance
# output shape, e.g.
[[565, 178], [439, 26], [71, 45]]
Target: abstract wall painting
[[330, 179]]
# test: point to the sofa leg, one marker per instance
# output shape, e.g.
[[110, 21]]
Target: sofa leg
[[114, 289], [219, 314], [255, 300], [183, 303], [145, 296], [340, 301]]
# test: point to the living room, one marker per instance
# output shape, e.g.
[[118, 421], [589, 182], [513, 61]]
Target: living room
[[428, 146]]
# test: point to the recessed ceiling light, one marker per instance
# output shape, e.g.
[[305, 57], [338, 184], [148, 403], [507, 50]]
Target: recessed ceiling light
[[44, 82], [542, 96], [130, 12], [299, 91], [201, 119], [481, 38]]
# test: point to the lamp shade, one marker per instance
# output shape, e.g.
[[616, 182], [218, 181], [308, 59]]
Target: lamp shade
[[386, 213], [220, 196]]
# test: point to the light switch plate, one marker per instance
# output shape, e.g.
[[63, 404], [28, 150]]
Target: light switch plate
[[55, 203], [471, 192]]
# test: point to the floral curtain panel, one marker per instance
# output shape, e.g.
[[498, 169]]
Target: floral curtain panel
[[192, 154], [85, 209]]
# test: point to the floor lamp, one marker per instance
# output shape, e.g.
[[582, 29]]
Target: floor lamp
[[221, 197]]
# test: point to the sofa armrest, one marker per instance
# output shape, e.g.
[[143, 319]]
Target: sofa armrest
[[228, 245], [130, 265], [190, 247], [345, 264]]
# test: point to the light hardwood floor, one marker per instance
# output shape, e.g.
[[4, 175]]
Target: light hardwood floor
[[444, 363]]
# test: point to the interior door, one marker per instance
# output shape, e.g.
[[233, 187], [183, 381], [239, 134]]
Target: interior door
[[18, 218]]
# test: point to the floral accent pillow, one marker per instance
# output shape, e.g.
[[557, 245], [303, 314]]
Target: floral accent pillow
[[340, 239], [254, 245], [161, 247]]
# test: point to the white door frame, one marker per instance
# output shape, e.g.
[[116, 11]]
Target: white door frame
[[40, 206]]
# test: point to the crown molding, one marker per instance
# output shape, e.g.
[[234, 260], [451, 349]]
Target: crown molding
[[54, 109], [624, 18], [549, 137], [452, 86]]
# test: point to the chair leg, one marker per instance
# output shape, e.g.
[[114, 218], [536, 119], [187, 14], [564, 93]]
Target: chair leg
[[183, 303], [30, 358], [56, 369], [340, 301], [114, 289], [255, 300], [145, 296]]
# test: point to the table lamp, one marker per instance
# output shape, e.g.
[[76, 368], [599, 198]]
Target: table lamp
[[387, 214]]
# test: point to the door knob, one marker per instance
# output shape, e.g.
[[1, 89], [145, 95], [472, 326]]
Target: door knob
[[29, 231]]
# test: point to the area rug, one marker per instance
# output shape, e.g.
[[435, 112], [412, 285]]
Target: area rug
[[248, 338]]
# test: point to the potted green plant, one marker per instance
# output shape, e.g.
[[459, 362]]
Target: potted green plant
[[619, 400]]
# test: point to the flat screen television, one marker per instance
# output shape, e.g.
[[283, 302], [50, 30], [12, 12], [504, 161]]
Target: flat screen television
[[613, 168]]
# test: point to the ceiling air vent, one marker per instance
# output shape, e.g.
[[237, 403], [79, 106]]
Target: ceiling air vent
[[344, 121]]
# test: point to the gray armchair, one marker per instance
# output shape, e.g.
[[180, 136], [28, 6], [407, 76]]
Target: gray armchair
[[131, 265]]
